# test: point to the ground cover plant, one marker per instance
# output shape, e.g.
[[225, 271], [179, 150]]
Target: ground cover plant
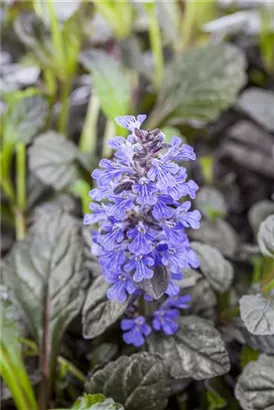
[[137, 213]]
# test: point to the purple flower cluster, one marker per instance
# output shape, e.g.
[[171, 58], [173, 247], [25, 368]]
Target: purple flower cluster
[[137, 206]]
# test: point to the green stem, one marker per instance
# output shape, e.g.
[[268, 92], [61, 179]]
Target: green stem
[[61, 360], [257, 269], [115, 12], [188, 24], [5, 180], [88, 140], [29, 347], [81, 188], [105, 8], [65, 103], [124, 13], [50, 81], [195, 15], [266, 38], [206, 164], [57, 41], [72, 369], [20, 190], [37, 5], [109, 134], [20, 227], [45, 382], [268, 287], [22, 395], [21, 175], [229, 313], [156, 44]]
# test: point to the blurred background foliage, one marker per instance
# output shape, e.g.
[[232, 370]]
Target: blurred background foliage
[[202, 70], [74, 66]]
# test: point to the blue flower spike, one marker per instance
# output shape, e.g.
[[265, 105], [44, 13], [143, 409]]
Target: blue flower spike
[[142, 210]]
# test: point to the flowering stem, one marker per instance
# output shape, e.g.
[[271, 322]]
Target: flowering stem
[[88, 140], [65, 103], [109, 134], [156, 44], [50, 81], [20, 190], [21, 174]]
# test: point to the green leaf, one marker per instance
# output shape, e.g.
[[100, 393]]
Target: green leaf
[[139, 382], [99, 312], [52, 159], [199, 85], [266, 236], [196, 350], [45, 275], [248, 355], [95, 402], [218, 396], [257, 313], [218, 271], [255, 386], [25, 117], [11, 363], [110, 81], [215, 401], [258, 104]]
